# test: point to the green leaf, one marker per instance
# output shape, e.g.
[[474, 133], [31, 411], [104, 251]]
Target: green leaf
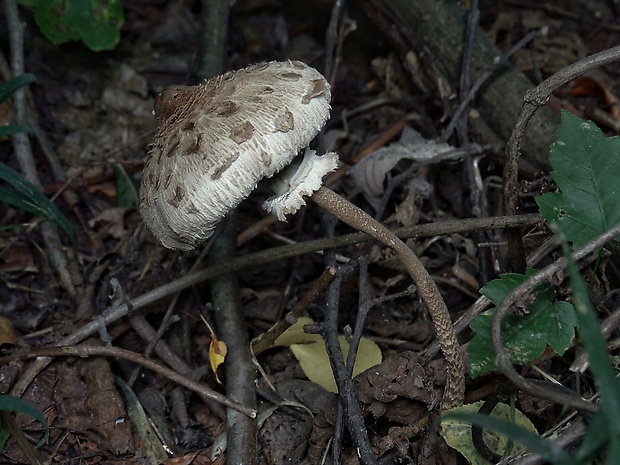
[[17, 405], [530, 440], [126, 189], [11, 129], [600, 365], [547, 322], [7, 88], [96, 22], [586, 168], [497, 290], [457, 433], [53, 19], [26, 196], [155, 451]]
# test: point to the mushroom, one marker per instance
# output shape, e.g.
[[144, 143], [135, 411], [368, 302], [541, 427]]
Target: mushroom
[[217, 140]]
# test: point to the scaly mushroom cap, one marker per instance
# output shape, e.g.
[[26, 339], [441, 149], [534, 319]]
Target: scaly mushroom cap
[[218, 139]]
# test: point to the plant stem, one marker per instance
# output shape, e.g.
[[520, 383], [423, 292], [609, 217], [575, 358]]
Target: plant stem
[[357, 218]]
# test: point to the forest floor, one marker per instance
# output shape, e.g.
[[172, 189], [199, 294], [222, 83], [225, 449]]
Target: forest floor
[[94, 113]]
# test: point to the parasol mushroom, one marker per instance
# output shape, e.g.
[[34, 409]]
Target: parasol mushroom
[[217, 140]]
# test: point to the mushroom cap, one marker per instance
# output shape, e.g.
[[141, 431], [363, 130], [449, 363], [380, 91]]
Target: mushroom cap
[[215, 141]]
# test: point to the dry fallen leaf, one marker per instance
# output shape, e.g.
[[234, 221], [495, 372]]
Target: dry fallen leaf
[[7, 332], [217, 350], [369, 174], [217, 355]]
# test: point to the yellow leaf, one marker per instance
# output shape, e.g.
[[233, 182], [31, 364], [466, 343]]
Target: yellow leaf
[[309, 350], [295, 334], [458, 433], [217, 354], [7, 333]]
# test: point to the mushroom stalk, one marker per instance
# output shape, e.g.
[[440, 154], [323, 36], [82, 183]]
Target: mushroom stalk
[[358, 219]]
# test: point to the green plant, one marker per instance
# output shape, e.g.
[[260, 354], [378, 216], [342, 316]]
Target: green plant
[[586, 166], [126, 188], [6, 90], [23, 194], [547, 322], [97, 23], [11, 404], [603, 430]]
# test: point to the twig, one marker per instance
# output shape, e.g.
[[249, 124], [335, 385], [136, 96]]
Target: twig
[[534, 99], [503, 358], [23, 149], [565, 437], [241, 432], [266, 340], [347, 393], [113, 314], [461, 123], [170, 357], [484, 77], [214, 31], [101, 351], [331, 39]]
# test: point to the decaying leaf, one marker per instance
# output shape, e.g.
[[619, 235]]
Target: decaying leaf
[[7, 332], [402, 388], [369, 175], [458, 434]]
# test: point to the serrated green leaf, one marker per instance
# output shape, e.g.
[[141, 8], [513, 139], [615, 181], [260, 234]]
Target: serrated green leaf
[[586, 168], [17, 405], [26, 196], [457, 433], [497, 290], [547, 322], [7, 88], [126, 189]]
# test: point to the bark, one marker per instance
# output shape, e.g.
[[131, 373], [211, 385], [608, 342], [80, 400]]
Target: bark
[[440, 26]]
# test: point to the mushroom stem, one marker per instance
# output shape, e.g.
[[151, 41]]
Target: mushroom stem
[[358, 219]]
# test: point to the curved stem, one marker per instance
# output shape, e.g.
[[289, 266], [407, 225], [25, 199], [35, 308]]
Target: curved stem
[[357, 218]]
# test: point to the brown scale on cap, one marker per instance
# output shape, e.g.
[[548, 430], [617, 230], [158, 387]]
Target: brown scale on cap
[[215, 141]]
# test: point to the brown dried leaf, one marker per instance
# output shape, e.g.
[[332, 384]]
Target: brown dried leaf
[[401, 380], [106, 406], [7, 333]]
